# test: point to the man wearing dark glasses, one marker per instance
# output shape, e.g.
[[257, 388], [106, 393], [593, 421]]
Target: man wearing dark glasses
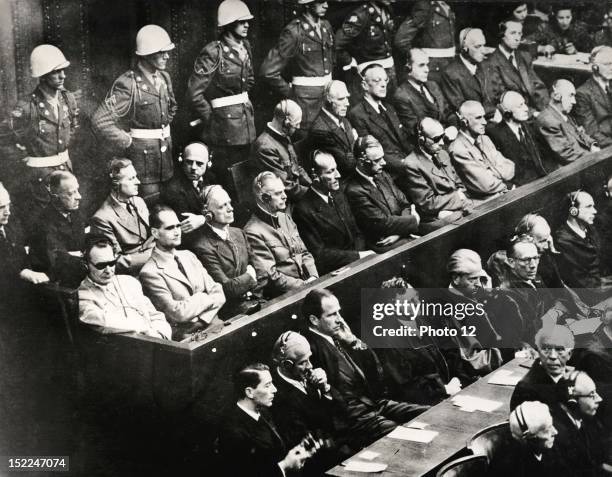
[[115, 303]]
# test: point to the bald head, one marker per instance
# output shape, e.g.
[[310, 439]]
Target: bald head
[[196, 150], [515, 106], [195, 160], [337, 98], [431, 138], [563, 95], [472, 42], [532, 424], [287, 116], [291, 353], [431, 127], [474, 115]]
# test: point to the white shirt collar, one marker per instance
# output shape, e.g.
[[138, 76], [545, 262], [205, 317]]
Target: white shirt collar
[[514, 128], [276, 130], [369, 178], [470, 66], [375, 104], [328, 338], [223, 233], [333, 118], [506, 53], [601, 83], [578, 230], [469, 137], [324, 197], [254, 415], [293, 382], [563, 115]]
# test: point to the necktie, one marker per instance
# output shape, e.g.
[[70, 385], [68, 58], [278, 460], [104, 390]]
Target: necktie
[[522, 136], [2, 233], [180, 266], [348, 359], [272, 428], [426, 94], [130, 208], [512, 59]]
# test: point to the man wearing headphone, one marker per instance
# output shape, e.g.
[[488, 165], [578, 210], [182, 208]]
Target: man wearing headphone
[[593, 109], [459, 81], [124, 218], [521, 142], [273, 149], [281, 260], [484, 170], [182, 192], [568, 141]]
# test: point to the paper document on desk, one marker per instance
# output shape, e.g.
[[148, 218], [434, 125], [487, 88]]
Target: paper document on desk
[[503, 377], [414, 435], [584, 327], [358, 466], [472, 403]]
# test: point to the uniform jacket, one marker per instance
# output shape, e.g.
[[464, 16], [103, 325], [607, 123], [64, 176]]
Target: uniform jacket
[[182, 298], [39, 130], [412, 106], [133, 102], [326, 135], [226, 261], [120, 307], [379, 213], [430, 25], [577, 33], [433, 184], [56, 236], [565, 138], [365, 36], [459, 85], [593, 111], [329, 232], [219, 72], [531, 159], [300, 51], [393, 137], [273, 152], [498, 75], [250, 447], [483, 176], [579, 262], [129, 233], [280, 258]]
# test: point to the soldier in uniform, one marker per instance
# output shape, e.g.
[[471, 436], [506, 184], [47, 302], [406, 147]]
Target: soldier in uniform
[[218, 91], [431, 27], [366, 37], [142, 101], [44, 125], [300, 65]]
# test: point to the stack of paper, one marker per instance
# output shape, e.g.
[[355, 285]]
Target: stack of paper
[[414, 435], [473, 403], [503, 377], [359, 466]]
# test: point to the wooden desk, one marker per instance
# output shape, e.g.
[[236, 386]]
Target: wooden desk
[[455, 427], [574, 67]]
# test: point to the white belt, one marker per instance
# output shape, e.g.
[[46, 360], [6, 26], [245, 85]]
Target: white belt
[[162, 133], [384, 62], [230, 100], [440, 52], [48, 161], [311, 80]]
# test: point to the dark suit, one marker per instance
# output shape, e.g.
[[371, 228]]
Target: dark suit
[[390, 133], [226, 262], [370, 415], [250, 447], [328, 230], [459, 85], [412, 105], [530, 157], [537, 385], [324, 134], [180, 194], [499, 75], [596, 360], [593, 111], [379, 212], [603, 225], [14, 259]]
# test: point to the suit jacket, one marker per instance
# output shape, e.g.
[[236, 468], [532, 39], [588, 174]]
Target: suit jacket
[[329, 232], [459, 85], [326, 135], [603, 225], [499, 75], [596, 360], [593, 111], [433, 184], [566, 140], [393, 137], [180, 194], [226, 261], [531, 159], [250, 447], [379, 212], [183, 297], [280, 258], [120, 307], [14, 259], [129, 233], [537, 385], [483, 176], [412, 106]]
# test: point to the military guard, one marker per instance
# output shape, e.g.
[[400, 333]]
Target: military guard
[[44, 125], [218, 91], [366, 37], [134, 119], [303, 55]]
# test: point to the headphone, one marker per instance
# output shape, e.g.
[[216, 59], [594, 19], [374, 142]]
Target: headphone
[[570, 386], [284, 338], [421, 139], [463, 37], [208, 215], [463, 122], [313, 169], [573, 200], [502, 27], [259, 181], [520, 419], [506, 113], [285, 110], [210, 154]]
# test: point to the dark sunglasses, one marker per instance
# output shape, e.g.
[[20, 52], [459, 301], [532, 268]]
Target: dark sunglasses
[[436, 138], [103, 265]]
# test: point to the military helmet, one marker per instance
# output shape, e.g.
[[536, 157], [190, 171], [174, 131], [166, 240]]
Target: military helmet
[[152, 39], [231, 11], [45, 59]]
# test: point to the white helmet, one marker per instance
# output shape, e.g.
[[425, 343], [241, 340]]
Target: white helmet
[[152, 39], [45, 59], [231, 11]]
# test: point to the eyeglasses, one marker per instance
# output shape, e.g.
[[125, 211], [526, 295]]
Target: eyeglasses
[[436, 139], [592, 395], [103, 265], [547, 350], [526, 260]]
